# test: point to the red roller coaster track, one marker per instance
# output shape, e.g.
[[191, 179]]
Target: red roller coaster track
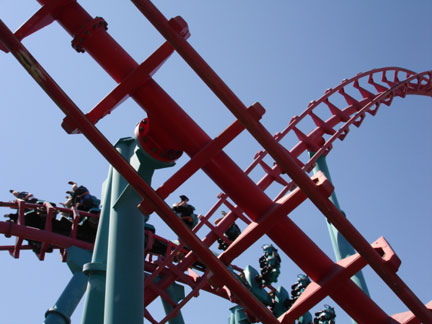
[[332, 115]]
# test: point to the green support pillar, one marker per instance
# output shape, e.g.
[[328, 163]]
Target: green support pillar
[[177, 293], [238, 316], [341, 247], [116, 273], [124, 298], [96, 270], [61, 312]]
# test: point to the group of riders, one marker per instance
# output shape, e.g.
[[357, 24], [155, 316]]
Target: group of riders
[[80, 199], [35, 213]]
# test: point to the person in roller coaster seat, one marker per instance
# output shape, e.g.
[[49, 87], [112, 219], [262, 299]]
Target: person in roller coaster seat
[[24, 195], [231, 233], [184, 211], [325, 316], [35, 217], [28, 198], [81, 198]]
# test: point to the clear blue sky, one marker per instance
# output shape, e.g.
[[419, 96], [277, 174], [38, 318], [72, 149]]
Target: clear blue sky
[[280, 53]]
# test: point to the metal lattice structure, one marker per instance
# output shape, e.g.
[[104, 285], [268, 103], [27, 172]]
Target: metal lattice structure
[[160, 136]]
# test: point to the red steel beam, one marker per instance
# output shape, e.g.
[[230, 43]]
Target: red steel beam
[[409, 317], [161, 108], [35, 234], [316, 291], [142, 188], [284, 159], [127, 86], [119, 65], [163, 112], [222, 170], [265, 223], [204, 156], [70, 109], [150, 267]]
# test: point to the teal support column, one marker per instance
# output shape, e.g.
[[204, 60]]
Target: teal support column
[[124, 296], [305, 318], [115, 292], [63, 309], [177, 293], [238, 316], [341, 247], [96, 270]]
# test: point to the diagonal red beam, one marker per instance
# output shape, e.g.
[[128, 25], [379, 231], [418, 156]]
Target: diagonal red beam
[[348, 267], [42, 18], [284, 159], [128, 86], [219, 270], [297, 245], [206, 153], [142, 188], [124, 64], [265, 223], [222, 170], [150, 267], [317, 291], [69, 108], [35, 234], [409, 317]]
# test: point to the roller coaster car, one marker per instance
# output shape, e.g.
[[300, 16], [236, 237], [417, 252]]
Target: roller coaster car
[[36, 218], [300, 285], [159, 246], [231, 233], [269, 264], [28, 198], [185, 211], [325, 316]]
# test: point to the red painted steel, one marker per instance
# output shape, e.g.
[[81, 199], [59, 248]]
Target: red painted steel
[[88, 129], [35, 234], [409, 317], [45, 235], [317, 291], [163, 117], [255, 198], [285, 161], [205, 155], [265, 223], [129, 85]]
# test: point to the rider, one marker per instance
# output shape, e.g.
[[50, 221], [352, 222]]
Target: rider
[[81, 198], [185, 211], [325, 316], [231, 233]]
